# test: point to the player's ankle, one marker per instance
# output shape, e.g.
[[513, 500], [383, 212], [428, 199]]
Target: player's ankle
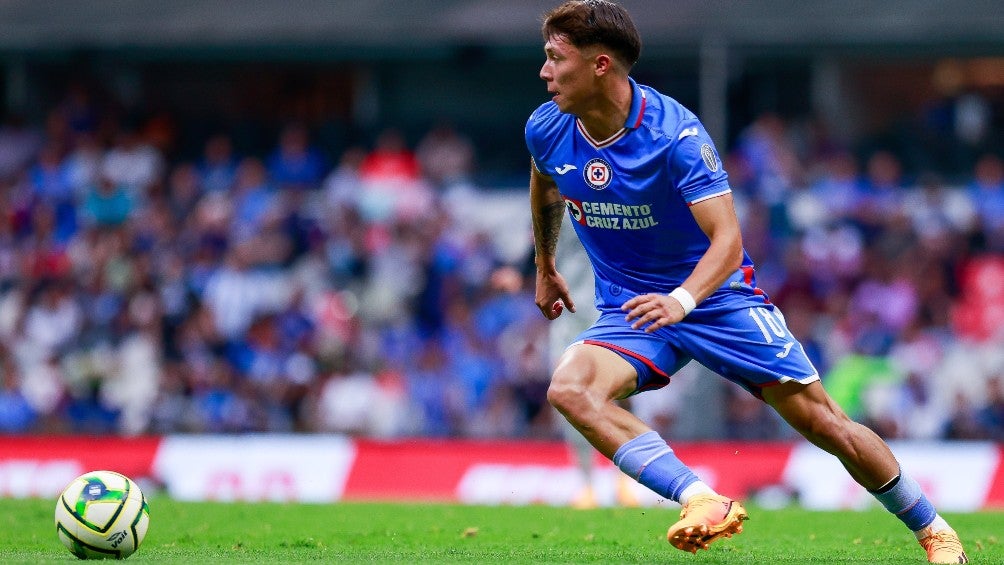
[[693, 489], [938, 525]]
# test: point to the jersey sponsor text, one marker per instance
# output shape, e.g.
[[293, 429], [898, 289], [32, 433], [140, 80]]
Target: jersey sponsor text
[[611, 215]]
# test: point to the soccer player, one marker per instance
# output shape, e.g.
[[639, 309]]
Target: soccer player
[[644, 185]]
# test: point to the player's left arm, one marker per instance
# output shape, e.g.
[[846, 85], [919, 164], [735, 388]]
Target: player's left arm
[[546, 211], [717, 219]]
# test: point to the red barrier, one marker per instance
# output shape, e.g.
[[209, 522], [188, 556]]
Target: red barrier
[[959, 476], [431, 469], [44, 465], [995, 495]]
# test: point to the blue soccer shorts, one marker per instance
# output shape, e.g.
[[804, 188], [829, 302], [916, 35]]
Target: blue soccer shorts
[[735, 334]]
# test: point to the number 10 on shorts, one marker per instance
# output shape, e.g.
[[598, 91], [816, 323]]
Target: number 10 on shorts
[[764, 319]]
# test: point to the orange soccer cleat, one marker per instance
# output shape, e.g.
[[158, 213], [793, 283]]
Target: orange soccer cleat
[[944, 547], [705, 518]]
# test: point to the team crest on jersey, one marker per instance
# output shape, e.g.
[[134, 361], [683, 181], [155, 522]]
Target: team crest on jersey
[[710, 159], [597, 173]]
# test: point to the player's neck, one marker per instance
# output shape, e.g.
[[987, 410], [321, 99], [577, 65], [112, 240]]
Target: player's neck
[[609, 111]]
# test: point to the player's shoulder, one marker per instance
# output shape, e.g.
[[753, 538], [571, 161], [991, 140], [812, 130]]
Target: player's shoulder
[[545, 117], [666, 116], [545, 128]]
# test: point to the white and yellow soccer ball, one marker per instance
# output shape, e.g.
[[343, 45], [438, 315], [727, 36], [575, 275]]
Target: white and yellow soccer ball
[[102, 515]]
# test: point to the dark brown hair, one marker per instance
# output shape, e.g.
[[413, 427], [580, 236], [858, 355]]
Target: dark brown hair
[[595, 22]]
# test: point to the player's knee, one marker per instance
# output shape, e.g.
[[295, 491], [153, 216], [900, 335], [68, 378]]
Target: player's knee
[[568, 392], [563, 392]]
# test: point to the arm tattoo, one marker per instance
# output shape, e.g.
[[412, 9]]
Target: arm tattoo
[[546, 225]]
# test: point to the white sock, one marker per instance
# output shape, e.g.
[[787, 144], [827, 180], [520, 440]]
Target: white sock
[[697, 487], [939, 524]]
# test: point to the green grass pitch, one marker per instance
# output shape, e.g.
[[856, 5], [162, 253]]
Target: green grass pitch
[[438, 533]]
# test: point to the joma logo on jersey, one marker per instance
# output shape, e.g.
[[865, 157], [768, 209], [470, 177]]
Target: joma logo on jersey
[[597, 174]]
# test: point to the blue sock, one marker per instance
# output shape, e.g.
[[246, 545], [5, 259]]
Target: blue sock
[[904, 498], [648, 460]]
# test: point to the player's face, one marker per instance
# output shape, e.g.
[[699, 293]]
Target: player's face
[[568, 72]]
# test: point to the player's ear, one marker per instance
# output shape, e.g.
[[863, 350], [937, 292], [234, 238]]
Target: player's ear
[[602, 64]]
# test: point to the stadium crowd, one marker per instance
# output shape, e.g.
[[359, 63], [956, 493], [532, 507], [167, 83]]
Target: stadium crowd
[[298, 290]]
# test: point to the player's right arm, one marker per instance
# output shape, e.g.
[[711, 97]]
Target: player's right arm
[[546, 211]]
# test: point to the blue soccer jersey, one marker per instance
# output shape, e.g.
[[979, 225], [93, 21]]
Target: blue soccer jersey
[[629, 194]]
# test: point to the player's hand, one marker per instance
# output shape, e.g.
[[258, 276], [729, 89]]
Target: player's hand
[[552, 295], [653, 311]]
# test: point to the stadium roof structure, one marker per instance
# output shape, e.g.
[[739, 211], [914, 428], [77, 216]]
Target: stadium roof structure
[[113, 24]]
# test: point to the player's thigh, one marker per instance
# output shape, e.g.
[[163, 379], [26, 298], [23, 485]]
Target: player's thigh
[[597, 369], [749, 344], [652, 355]]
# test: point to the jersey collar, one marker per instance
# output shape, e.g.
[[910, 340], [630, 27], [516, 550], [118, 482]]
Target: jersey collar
[[637, 111], [634, 118]]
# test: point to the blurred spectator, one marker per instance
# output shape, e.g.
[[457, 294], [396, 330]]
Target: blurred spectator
[[348, 403], [391, 181], [223, 404], [108, 204], [394, 275], [962, 423], [16, 413], [747, 418], [343, 185], [769, 154], [991, 417], [233, 294], [218, 169], [78, 110], [48, 177], [530, 379], [18, 145], [987, 193], [133, 164], [131, 385], [882, 306], [296, 163], [356, 401], [184, 189], [937, 211], [830, 197], [431, 387], [446, 157], [82, 166], [390, 161], [51, 321], [882, 190], [253, 199]]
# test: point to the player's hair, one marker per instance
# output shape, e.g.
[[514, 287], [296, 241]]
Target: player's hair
[[595, 22]]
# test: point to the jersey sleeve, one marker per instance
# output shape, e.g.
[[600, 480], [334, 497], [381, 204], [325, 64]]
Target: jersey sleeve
[[542, 132], [694, 164], [531, 134]]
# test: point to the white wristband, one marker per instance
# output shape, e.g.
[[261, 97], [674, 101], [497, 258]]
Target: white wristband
[[685, 299]]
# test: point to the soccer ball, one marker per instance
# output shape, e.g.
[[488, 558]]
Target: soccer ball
[[102, 515]]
